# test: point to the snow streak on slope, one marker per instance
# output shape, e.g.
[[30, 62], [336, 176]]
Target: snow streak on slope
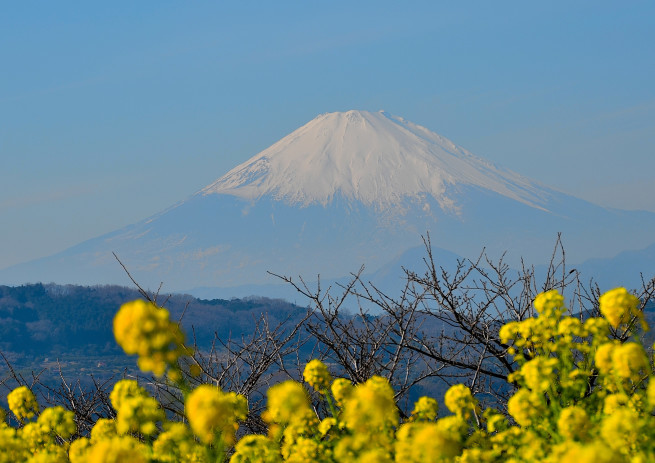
[[374, 158]]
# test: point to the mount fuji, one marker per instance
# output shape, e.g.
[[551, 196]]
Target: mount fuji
[[346, 189]]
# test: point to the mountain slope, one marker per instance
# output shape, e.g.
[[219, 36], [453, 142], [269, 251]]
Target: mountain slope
[[373, 158], [344, 190]]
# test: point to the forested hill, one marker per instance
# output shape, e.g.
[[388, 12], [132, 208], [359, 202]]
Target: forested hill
[[53, 320]]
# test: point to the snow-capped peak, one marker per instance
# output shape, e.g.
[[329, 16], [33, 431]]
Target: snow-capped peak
[[375, 158]]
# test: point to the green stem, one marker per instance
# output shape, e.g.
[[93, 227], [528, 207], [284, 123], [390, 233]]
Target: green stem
[[330, 401]]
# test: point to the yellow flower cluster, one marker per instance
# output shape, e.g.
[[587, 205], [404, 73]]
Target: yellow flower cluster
[[22, 403], [548, 303], [619, 306], [215, 414], [139, 433], [113, 450], [136, 410], [460, 401], [256, 449], [573, 423], [144, 329], [525, 407], [423, 442], [425, 409], [317, 375], [58, 421], [371, 407], [580, 397], [177, 444], [35, 441], [341, 389], [627, 361], [287, 402]]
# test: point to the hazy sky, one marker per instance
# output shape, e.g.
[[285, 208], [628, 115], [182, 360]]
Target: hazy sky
[[113, 111]]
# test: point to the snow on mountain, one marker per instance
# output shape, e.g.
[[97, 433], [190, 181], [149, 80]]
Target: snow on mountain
[[345, 189], [374, 158]]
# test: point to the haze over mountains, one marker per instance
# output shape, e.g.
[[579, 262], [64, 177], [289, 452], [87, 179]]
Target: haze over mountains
[[345, 189]]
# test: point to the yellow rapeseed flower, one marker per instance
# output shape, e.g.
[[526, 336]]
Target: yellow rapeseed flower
[[571, 326], [350, 447], [371, 407], [539, 373], [508, 332], [425, 409], [59, 421], [473, 455], [144, 329], [287, 401], [117, 450], [256, 449], [548, 302], [326, 425], [377, 455], [573, 422], [177, 444], [614, 402], [304, 425], [103, 429], [619, 306], [629, 361], [22, 403], [213, 413], [341, 389], [603, 356], [524, 407], [598, 328], [317, 376], [593, 452], [459, 400], [423, 442], [495, 420], [135, 409], [77, 453], [35, 437], [139, 414], [622, 429], [301, 450], [49, 454]]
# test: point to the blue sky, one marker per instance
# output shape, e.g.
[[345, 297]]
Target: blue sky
[[112, 111]]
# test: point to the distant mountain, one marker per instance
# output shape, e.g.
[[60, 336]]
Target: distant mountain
[[345, 189], [390, 278], [47, 327], [374, 159], [625, 269]]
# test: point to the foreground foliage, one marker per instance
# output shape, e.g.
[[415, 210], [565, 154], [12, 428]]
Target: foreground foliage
[[581, 391]]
